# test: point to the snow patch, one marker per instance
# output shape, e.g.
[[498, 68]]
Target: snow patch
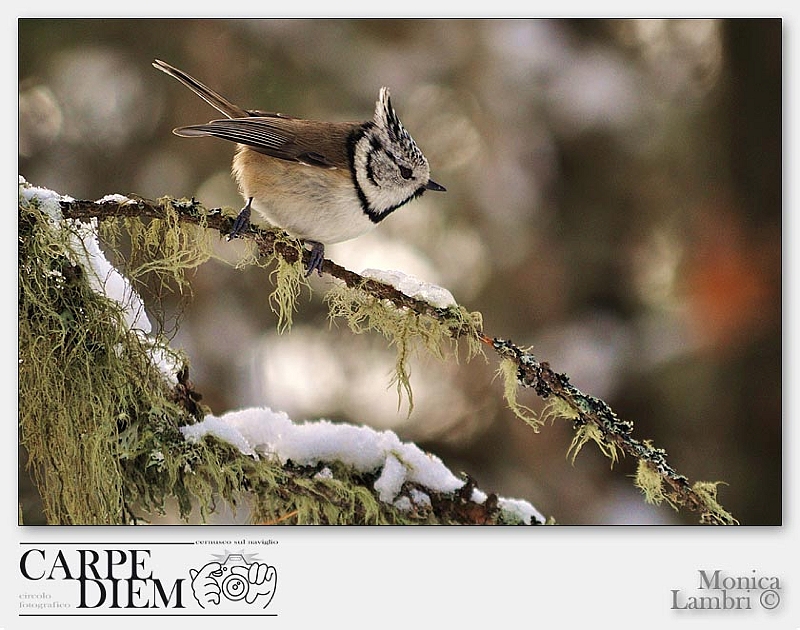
[[263, 432], [413, 287]]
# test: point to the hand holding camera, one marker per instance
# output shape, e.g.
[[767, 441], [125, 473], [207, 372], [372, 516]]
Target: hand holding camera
[[236, 579]]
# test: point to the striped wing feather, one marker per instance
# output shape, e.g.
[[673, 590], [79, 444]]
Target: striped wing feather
[[311, 142]]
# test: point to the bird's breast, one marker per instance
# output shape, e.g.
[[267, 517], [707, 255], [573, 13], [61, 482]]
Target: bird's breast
[[309, 202]]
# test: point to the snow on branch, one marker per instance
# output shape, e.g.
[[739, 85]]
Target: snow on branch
[[414, 315], [406, 475]]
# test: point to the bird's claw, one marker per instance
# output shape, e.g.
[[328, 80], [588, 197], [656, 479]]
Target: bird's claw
[[242, 222], [316, 258]]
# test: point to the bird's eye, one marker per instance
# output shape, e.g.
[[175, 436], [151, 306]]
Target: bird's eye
[[406, 172]]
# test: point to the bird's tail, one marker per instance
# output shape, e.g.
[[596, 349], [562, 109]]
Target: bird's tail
[[207, 94]]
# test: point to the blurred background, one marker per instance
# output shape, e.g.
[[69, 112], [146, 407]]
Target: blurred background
[[614, 201]]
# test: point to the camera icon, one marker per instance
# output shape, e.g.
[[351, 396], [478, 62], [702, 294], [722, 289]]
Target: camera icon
[[236, 580], [234, 584]]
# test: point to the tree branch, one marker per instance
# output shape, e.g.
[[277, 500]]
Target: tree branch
[[655, 477], [112, 425]]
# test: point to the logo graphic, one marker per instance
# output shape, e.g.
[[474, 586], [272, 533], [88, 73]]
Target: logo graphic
[[234, 578]]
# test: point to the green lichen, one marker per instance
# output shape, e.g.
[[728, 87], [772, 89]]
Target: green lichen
[[84, 379], [158, 250], [714, 513], [305, 498], [556, 408], [508, 371], [99, 421], [407, 331], [289, 279], [651, 483], [589, 432]]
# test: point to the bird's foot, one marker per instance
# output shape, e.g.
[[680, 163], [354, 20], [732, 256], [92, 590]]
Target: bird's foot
[[316, 259], [242, 222]]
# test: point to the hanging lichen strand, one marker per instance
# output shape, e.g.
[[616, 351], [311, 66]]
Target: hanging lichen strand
[[408, 331]]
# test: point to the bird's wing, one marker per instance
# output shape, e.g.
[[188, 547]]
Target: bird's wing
[[310, 142]]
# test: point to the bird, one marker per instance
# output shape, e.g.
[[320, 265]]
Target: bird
[[322, 182]]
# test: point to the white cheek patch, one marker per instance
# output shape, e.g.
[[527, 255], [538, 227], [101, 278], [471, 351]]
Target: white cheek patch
[[360, 161], [377, 175]]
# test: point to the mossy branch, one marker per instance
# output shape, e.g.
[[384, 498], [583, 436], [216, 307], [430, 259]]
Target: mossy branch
[[103, 406], [268, 243], [593, 419], [360, 304]]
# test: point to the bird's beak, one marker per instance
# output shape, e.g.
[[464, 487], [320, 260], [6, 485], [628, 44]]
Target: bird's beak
[[432, 185]]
